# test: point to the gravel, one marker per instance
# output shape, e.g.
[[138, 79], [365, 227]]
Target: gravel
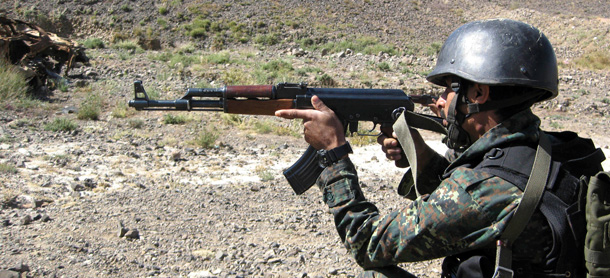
[[118, 199]]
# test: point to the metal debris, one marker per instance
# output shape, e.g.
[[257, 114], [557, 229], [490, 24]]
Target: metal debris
[[40, 54]]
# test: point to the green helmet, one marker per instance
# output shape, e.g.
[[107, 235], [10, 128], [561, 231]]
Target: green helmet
[[499, 52]]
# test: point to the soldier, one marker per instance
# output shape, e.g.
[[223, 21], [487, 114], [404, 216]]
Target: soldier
[[493, 71]]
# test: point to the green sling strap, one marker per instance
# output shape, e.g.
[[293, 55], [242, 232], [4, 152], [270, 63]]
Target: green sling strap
[[402, 129]]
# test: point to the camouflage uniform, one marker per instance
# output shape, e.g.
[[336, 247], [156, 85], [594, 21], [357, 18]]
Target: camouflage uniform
[[464, 213]]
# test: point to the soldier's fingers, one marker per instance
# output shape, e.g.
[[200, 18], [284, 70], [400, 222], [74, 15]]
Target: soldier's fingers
[[294, 114]]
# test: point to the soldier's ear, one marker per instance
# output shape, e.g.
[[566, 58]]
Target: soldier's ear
[[481, 93]]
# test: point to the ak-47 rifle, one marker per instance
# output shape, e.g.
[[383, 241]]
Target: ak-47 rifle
[[380, 106]]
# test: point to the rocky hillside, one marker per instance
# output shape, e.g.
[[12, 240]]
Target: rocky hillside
[[91, 188]]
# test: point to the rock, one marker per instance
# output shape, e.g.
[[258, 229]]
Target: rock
[[220, 255], [270, 254], [175, 156], [132, 234], [134, 155], [45, 218], [26, 220], [26, 201], [76, 187], [89, 183], [24, 152], [122, 230], [69, 110], [91, 73], [20, 267], [149, 44], [9, 274], [20, 163], [201, 274], [216, 198], [298, 52], [81, 83]]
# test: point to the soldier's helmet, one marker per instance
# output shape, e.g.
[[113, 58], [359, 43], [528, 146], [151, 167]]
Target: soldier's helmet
[[499, 52]]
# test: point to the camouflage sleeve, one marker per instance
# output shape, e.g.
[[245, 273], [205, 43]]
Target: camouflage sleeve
[[430, 176], [427, 180], [466, 211]]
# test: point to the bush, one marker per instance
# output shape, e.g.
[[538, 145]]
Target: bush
[[8, 168], [274, 71], [163, 10], [326, 80], [232, 119], [171, 119], [278, 66], [93, 43], [126, 8], [598, 60], [61, 124], [365, 45], [198, 33], [13, 85], [264, 173], [267, 39], [120, 110], [207, 139], [126, 45], [433, 49], [181, 59], [88, 112], [223, 57], [384, 66], [263, 127], [136, 123], [198, 28], [90, 108]]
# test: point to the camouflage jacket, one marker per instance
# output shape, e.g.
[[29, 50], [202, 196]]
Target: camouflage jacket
[[466, 211]]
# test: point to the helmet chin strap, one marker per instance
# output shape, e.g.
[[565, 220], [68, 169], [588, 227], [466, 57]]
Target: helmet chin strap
[[457, 138]]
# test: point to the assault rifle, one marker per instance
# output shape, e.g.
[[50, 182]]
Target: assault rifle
[[380, 106]]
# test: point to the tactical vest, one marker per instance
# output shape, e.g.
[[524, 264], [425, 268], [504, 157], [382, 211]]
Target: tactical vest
[[573, 160]]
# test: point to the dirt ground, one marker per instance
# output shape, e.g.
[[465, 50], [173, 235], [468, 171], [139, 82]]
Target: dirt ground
[[111, 200]]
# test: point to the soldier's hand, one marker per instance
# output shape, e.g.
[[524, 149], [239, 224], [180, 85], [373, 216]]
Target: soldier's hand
[[391, 147], [321, 127]]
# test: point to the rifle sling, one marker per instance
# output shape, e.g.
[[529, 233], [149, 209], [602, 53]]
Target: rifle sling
[[402, 129]]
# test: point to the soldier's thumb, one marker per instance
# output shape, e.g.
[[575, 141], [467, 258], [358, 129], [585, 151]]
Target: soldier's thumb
[[317, 104]]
